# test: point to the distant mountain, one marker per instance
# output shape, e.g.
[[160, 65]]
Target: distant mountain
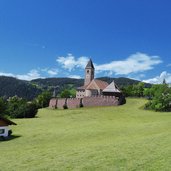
[[61, 83], [58, 83], [122, 81], [10, 86]]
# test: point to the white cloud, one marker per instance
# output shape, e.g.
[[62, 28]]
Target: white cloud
[[135, 63], [70, 62], [33, 74], [50, 71], [74, 76], [7, 74], [159, 79]]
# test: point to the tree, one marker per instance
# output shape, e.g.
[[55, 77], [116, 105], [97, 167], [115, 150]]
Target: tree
[[2, 106], [161, 98], [43, 99], [138, 89], [128, 90], [65, 94], [134, 90], [20, 108]]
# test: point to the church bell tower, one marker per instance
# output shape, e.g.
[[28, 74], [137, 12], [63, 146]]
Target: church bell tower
[[89, 73]]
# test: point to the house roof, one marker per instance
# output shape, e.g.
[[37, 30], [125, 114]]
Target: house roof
[[90, 64], [81, 88], [94, 85], [97, 84], [7, 121], [112, 87]]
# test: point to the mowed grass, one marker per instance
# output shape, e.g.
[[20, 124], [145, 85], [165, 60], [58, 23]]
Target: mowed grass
[[99, 138]]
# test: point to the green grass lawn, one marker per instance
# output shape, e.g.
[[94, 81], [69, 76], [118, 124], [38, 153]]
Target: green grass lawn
[[101, 138]]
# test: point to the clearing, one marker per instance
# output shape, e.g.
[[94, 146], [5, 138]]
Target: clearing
[[101, 138]]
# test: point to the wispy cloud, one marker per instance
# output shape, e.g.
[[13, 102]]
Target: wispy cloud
[[69, 62], [7, 74], [74, 76], [159, 79], [135, 63], [33, 74], [50, 72]]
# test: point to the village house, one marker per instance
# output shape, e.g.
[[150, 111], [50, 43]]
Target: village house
[[4, 129]]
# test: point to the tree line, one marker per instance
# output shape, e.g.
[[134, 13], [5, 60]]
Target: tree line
[[16, 107], [159, 99], [158, 95]]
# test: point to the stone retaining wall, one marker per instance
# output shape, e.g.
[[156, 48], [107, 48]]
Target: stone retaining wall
[[85, 102]]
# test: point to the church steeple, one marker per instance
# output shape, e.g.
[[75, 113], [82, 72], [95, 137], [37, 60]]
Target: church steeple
[[89, 72]]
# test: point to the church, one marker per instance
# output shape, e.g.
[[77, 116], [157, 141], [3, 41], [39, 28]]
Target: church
[[95, 87], [94, 92]]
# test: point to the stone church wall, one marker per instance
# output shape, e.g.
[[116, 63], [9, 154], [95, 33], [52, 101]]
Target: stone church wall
[[53, 103], [61, 103], [85, 102], [100, 101], [73, 103]]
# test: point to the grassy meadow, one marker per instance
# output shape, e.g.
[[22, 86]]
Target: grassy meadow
[[123, 138]]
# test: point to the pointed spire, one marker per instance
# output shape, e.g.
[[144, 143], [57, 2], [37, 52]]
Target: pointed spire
[[54, 93], [164, 81], [90, 64]]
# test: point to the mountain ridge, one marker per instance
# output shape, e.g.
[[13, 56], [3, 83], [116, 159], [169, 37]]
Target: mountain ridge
[[10, 86]]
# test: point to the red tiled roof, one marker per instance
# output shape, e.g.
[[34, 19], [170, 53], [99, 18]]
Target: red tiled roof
[[97, 84], [94, 84]]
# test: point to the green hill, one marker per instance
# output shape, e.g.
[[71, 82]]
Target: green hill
[[104, 138], [10, 86]]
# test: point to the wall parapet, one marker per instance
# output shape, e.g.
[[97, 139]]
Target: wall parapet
[[97, 100]]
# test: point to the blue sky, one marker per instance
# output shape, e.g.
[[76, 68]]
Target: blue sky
[[55, 38]]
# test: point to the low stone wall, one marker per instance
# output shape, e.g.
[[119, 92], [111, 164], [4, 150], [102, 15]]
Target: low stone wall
[[85, 102], [73, 103], [100, 101], [53, 103], [61, 103]]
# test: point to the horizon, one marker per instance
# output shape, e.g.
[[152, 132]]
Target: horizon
[[55, 40]]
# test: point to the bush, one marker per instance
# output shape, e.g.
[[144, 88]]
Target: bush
[[3, 105], [161, 98], [43, 99], [20, 108]]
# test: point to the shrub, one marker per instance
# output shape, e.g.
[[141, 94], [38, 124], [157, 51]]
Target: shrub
[[161, 98], [20, 108], [43, 99]]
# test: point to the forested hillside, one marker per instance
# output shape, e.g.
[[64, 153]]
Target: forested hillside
[[10, 86]]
